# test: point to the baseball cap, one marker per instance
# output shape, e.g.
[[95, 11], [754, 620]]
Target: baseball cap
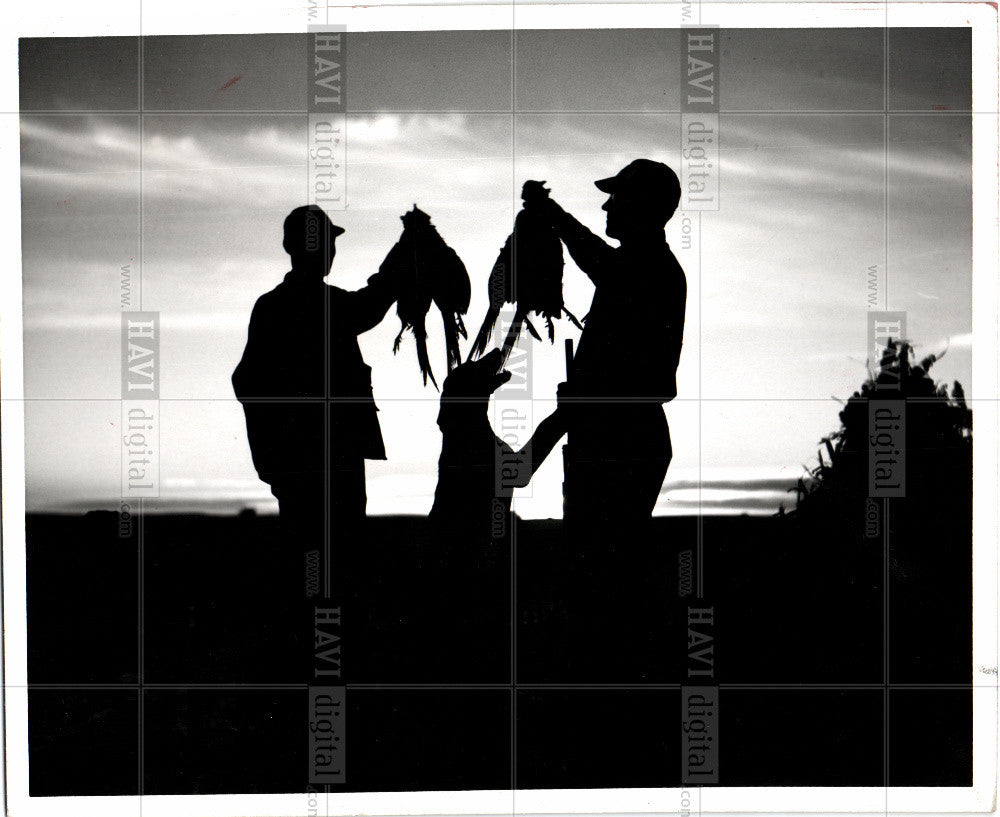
[[303, 221], [646, 180]]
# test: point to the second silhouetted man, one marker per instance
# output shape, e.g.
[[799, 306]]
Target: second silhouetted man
[[306, 390]]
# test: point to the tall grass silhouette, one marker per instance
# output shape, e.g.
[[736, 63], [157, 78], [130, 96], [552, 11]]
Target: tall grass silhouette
[[938, 442]]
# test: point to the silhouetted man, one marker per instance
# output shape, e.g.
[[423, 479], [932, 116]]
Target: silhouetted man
[[626, 362], [306, 390]]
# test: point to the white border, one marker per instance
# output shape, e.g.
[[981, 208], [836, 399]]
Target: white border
[[122, 17]]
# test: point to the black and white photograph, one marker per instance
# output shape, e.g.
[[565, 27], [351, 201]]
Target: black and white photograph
[[500, 409]]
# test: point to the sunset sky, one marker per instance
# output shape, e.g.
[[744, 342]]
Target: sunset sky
[[812, 195]]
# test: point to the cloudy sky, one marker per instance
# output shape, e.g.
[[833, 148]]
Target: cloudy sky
[[817, 185]]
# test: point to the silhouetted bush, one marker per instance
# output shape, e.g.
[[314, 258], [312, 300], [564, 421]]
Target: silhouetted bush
[[938, 446]]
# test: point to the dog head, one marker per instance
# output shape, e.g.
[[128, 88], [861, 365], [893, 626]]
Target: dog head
[[469, 386]]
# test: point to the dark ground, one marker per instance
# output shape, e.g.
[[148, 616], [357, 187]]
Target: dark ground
[[214, 695]]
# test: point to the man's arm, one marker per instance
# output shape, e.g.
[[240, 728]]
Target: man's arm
[[365, 308], [591, 253], [530, 458]]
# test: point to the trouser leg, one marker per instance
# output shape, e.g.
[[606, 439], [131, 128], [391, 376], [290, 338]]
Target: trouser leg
[[297, 576], [617, 459], [348, 501]]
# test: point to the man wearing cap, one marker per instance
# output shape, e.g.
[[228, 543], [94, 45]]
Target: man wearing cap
[[626, 362], [306, 390]]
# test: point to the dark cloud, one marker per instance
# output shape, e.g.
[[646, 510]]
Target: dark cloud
[[79, 73], [557, 70], [930, 69]]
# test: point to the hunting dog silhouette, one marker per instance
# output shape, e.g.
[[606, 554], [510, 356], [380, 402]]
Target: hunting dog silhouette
[[477, 470]]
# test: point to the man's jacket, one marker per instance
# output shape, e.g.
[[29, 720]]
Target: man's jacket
[[302, 361], [632, 336]]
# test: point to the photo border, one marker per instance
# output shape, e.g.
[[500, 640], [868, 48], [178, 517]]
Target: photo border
[[120, 18]]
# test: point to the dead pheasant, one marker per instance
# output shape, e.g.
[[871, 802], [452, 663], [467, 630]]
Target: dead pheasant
[[527, 273], [451, 292], [431, 271]]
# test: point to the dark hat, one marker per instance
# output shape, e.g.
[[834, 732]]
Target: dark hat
[[303, 221], [646, 180]]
